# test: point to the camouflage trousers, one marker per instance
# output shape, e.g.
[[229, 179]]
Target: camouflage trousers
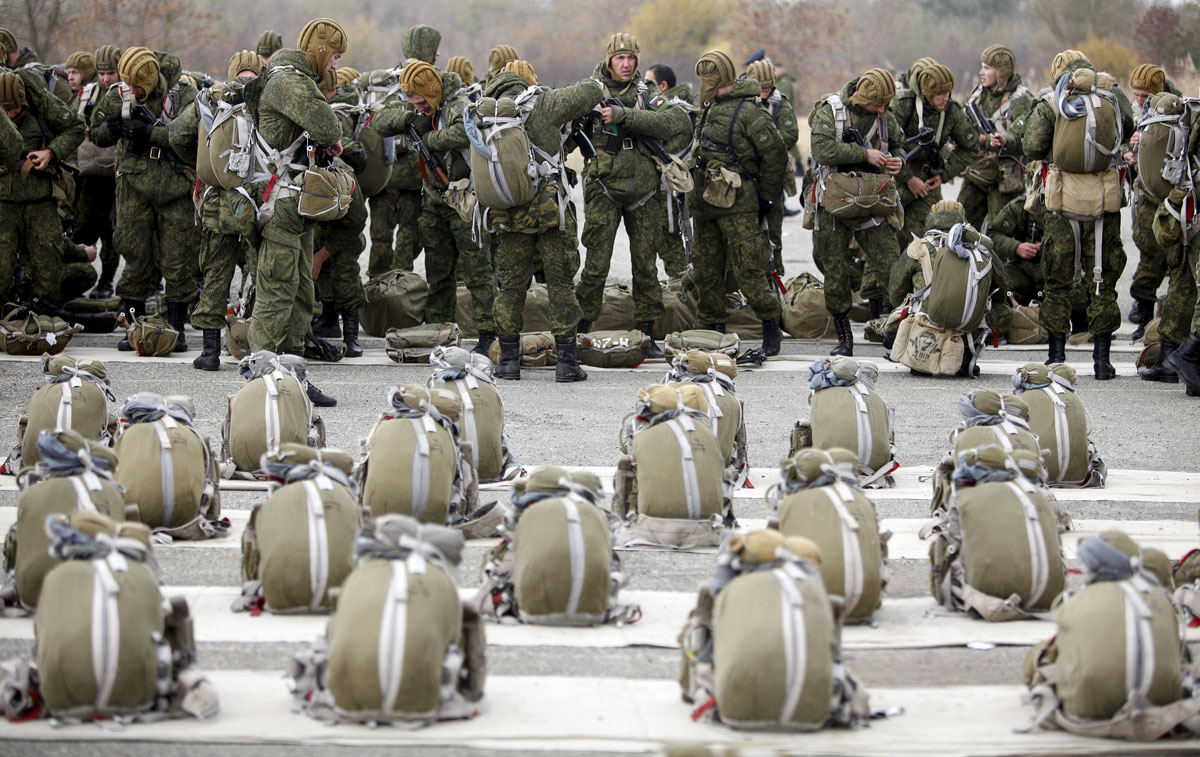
[[671, 250], [394, 215], [732, 242], [982, 204], [30, 232], [283, 305], [1152, 258], [95, 197], [1059, 269], [836, 261], [517, 257], [340, 283], [220, 254], [1179, 311], [140, 220], [449, 250], [644, 225]]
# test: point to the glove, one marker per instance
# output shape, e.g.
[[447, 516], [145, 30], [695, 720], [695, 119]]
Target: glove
[[137, 131], [114, 124], [422, 123], [618, 113], [764, 209]]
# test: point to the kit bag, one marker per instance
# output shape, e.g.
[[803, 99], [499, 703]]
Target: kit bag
[[537, 350], [616, 311], [503, 169], [1087, 124], [958, 277], [613, 349], [414, 345], [150, 335], [714, 372], [393, 300], [701, 339], [1027, 326], [24, 332], [681, 308], [95, 316], [1060, 421], [75, 398], [847, 412], [852, 195], [804, 313], [927, 348], [1163, 142]]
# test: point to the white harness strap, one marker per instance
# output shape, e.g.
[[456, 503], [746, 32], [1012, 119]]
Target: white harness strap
[[1062, 429], [393, 635], [839, 494], [318, 540], [575, 547], [866, 445], [421, 427], [468, 407], [680, 425], [1139, 644], [166, 466], [795, 643], [106, 629], [271, 410], [66, 399], [83, 500], [1039, 555]]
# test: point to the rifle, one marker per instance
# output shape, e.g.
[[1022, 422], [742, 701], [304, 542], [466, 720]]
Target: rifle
[[853, 136], [923, 141], [427, 157], [982, 123], [579, 132], [612, 142]]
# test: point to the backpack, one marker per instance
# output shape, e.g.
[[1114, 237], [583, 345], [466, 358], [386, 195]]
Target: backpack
[[482, 422], [298, 547], [272, 409], [958, 277], [75, 398], [701, 339], [415, 344], [228, 153], [714, 372], [71, 476], [762, 648], [414, 463], [393, 300], [847, 412], [1087, 123], [1026, 326], [538, 349], [1130, 685], [613, 349], [379, 151], [506, 167], [168, 470], [804, 312], [151, 335], [108, 644], [1161, 152], [829, 510], [24, 332], [1059, 420], [401, 646], [99, 316]]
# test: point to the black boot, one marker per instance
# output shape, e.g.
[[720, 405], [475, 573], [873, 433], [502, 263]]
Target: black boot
[[647, 328], [326, 324], [210, 355], [584, 326], [875, 308], [717, 327], [845, 337], [485, 343], [318, 397], [568, 362], [1159, 371], [510, 358], [772, 337], [350, 334], [1100, 364], [177, 313], [1058, 348], [1185, 361], [135, 308], [104, 287], [1142, 312]]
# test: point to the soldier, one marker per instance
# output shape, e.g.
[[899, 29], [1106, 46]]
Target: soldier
[[13, 56], [29, 226], [732, 139], [785, 84], [96, 185], [1179, 313], [995, 178], [861, 106], [672, 250], [448, 240], [541, 234], [930, 119], [774, 102], [499, 57], [622, 184], [1017, 241], [268, 43], [471, 89], [1065, 236]]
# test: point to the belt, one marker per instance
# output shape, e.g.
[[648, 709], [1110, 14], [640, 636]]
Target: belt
[[155, 153], [627, 143]]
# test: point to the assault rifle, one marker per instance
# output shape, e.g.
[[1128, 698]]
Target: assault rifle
[[982, 123], [923, 142], [426, 155], [853, 136], [579, 132]]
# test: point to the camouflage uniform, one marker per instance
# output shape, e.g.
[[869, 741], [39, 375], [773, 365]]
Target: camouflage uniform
[[625, 187], [58, 85], [1011, 226], [784, 117], [1004, 106], [95, 196], [671, 251], [1152, 264], [732, 237], [340, 282], [30, 233], [11, 141]]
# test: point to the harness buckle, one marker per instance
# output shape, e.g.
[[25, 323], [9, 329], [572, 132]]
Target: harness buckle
[[155, 153], [627, 143]]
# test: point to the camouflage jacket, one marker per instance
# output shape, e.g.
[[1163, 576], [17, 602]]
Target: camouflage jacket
[[949, 125], [783, 115], [1011, 226], [1005, 107], [1037, 139], [46, 122], [829, 148], [734, 133], [682, 97], [11, 143], [447, 139], [158, 172], [352, 152], [631, 173], [291, 104]]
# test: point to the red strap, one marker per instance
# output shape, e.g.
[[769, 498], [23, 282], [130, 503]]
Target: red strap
[[256, 610], [746, 484], [270, 186], [199, 184], [699, 711]]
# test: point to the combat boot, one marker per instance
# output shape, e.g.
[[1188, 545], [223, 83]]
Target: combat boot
[[717, 327], [326, 324], [177, 313], [1101, 343], [104, 287], [1159, 371], [568, 362], [1185, 361], [1142, 312], [318, 397], [1058, 348], [647, 328], [210, 355], [485, 343], [845, 337], [350, 334], [510, 358], [135, 308], [584, 326], [772, 337]]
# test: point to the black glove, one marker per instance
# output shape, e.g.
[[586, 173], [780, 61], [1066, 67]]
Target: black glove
[[764, 209], [422, 123], [137, 131], [114, 124]]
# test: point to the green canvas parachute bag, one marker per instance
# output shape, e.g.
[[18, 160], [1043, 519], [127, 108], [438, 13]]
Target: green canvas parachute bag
[[537, 350], [1133, 681], [804, 313], [616, 309], [847, 412], [1087, 123], [414, 345], [989, 418], [958, 271], [613, 349], [298, 547], [1161, 148], [822, 503], [393, 300], [168, 471], [482, 422], [71, 476], [75, 397], [701, 339], [24, 332], [681, 303], [714, 372], [506, 167], [412, 461], [401, 646], [1060, 421], [271, 410], [150, 335]]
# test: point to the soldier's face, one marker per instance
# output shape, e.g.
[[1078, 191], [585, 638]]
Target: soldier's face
[[1141, 96], [876, 109], [75, 79], [139, 93], [13, 113], [421, 104], [12, 58], [766, 93], [623, 66], [987, 75], [651, 81], [939, 101], [107, 78], [333, 61]]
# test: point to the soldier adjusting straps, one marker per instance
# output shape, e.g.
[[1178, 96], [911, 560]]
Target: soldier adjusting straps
[[422, 79], [139, 67], [875, 87], [320, 40]]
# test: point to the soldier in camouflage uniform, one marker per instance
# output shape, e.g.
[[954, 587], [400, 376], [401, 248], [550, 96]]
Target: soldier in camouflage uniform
[[1058, 250], [672, 250], [622, 183], [15, 57], [30, 234], [153, 184], [499, 57], [11, 142], [734, 136], [268, 43], [541, 234], [1001, 97], [1179, 307], [783, 115], [1017, 241], [865, 100]]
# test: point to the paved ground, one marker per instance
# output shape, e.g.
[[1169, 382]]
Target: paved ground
[[576, 696]]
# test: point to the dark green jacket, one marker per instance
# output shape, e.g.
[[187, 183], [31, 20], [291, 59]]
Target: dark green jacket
[[1011, 226], [45, 122], [681, 97], [783, 115], [1038, 133], [448, 138], [292, 103], [756, 150], [59, 85], [828, 150], [956, 127]]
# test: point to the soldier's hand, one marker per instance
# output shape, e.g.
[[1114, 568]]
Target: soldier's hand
[[334, 150], [422, 123], [40, 159], [764, 209], [137, 131], [1130, 159], [934, 184], [113, 122], [917, 186], [1135, 138], [1028, 250], [612, 114], [91, 252], [319, 259], [893, 165], [998, 140], [877, 158]]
